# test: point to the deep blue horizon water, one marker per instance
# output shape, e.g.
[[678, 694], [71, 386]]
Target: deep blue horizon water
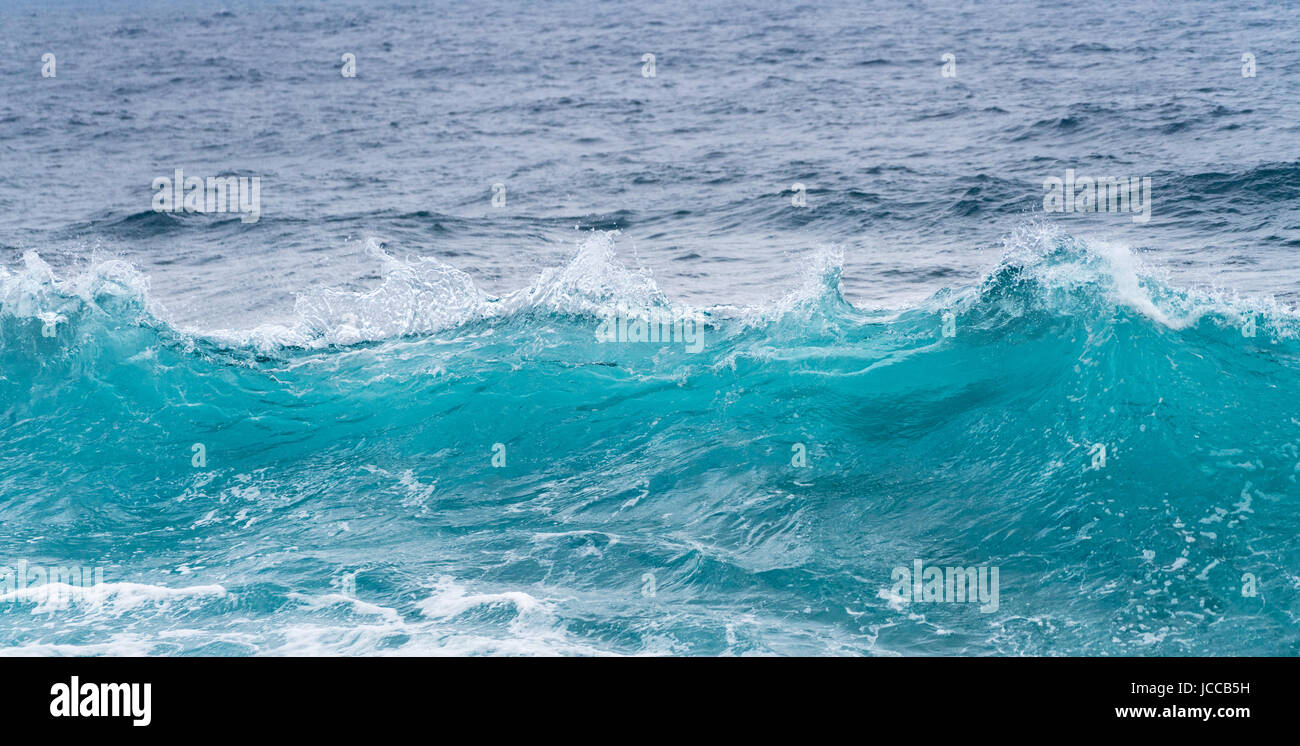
[[381, 418]]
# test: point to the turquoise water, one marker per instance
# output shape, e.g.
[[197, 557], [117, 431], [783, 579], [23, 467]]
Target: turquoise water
[[387, 417], [425, 468]]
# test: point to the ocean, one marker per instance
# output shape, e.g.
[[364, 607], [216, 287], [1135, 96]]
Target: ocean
[[669, 328]]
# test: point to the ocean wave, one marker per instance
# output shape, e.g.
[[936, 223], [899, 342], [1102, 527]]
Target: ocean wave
[[1072, 417], [423, 295]]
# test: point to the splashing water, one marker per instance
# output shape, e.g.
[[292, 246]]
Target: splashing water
[[425, 468]]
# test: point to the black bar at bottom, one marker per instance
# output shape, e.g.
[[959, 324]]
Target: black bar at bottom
[[332, 696]]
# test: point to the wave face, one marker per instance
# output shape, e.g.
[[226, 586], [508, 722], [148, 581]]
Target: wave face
[[426, 468]]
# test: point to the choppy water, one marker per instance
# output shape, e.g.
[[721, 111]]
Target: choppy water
[[411, 440]]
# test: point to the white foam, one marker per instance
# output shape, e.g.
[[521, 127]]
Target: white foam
[[116, 596]]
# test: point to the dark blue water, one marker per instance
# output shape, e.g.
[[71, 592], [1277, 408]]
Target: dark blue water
[[415, 438]]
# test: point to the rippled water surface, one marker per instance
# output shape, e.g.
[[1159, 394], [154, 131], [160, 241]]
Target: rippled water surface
[[382, 419]]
